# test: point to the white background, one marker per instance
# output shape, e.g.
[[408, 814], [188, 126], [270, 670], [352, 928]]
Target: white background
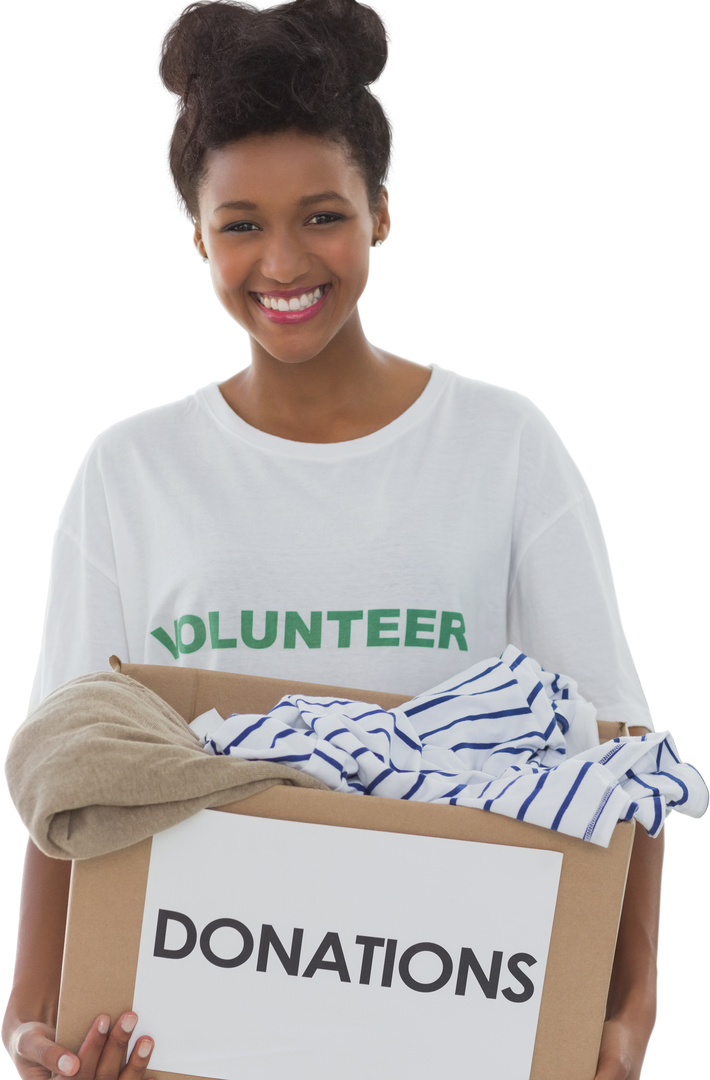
[[351, 881]]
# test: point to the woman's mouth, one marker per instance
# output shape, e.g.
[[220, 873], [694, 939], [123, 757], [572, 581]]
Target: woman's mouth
[[292, 307]]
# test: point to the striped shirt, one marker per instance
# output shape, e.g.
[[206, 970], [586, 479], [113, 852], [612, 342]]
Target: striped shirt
[[501, 736]]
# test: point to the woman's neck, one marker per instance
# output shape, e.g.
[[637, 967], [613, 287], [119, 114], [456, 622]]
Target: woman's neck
[[325, 404]]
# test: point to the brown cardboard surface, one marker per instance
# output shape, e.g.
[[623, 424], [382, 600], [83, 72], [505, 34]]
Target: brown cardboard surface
[[106, 899]]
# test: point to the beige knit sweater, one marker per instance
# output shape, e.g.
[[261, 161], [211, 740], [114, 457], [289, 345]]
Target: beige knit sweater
[[104, 762]]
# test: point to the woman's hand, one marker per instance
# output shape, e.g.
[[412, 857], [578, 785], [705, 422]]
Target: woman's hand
[[623, 1048], [36, 1055]]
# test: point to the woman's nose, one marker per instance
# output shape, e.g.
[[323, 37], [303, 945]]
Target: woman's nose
[[284, 258]]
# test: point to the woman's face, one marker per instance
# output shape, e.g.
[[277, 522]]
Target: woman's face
[[286, 226]]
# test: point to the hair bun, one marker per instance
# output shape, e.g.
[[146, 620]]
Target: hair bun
[[305, 64]]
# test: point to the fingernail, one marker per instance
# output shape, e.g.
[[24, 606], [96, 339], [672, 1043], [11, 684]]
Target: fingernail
[[66, 1063], [104, 1024], [144, 1047], [129, 1022]]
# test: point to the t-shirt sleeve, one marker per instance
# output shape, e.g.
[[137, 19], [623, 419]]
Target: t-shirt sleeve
[[562, 607], [84, 623]]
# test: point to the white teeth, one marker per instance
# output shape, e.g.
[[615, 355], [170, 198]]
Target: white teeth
[[295, 303]]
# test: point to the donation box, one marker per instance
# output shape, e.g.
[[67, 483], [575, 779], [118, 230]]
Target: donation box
[[307, 935]]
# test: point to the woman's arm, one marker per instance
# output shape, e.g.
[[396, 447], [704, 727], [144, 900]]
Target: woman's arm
[[38, 967], [631, 1006], [31, 1016], [31, 1007]]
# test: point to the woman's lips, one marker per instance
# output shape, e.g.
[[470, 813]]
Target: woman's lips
[[292, 317]]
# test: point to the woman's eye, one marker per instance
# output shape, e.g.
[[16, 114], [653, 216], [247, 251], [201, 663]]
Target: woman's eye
[[250, 225], [324, 218]]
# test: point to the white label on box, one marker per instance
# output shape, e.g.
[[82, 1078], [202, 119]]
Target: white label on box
[[275, 949]]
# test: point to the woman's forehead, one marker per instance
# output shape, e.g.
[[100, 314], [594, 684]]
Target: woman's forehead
[[284, 154], [282, 168]]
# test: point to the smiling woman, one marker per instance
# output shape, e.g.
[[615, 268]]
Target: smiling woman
[[290, 270], [280, 155], [431, 518]]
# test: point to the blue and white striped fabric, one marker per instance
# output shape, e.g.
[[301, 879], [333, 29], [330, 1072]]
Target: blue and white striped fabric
[[495, 737]]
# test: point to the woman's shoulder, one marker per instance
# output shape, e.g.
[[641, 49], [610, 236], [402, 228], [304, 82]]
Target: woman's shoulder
[[146, 432], [499, 424], [149, 427], [488, 402]]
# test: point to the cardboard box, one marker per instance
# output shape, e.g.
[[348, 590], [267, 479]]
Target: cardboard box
[[108, 894]]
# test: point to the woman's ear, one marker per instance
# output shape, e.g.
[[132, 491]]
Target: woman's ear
[[198, 241], [384, 219]]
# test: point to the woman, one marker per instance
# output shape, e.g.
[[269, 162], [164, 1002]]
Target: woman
[[333, 513]]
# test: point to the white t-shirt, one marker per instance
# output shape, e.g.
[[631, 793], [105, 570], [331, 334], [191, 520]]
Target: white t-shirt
[[388, 562]]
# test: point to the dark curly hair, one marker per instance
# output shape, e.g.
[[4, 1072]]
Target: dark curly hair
[[306, 65]]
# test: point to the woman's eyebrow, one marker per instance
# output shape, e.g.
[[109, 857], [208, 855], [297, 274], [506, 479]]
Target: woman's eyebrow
[[307, 200]]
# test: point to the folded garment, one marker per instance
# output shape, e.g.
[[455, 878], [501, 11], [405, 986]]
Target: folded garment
[[104, 762], [497, 737]]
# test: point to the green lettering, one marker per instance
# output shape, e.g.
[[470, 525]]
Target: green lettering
[[345, 620], [294, 624], [271, 622], [216, 641], [200, 634], [164, 638], [376, 626], [415, 625], [452, 625]]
